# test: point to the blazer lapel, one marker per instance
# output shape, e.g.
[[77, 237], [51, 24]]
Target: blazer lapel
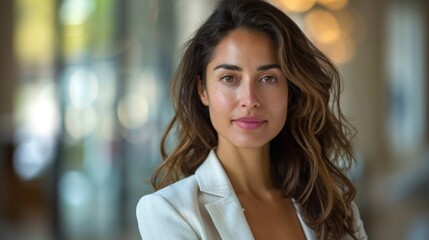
[[308, 232], [228, 217], [223, 205]]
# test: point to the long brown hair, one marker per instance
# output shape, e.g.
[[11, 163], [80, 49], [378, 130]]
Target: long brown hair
[[305, 155]]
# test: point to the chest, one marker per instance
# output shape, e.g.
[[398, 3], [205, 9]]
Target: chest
[[272, 220]]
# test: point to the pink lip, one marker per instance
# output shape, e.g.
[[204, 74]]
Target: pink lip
[[249, 123]]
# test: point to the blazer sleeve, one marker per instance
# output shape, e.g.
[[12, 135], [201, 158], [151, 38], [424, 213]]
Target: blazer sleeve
[[158, 219], [360, 231]]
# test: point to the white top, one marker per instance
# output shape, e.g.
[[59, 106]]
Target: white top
[[203, 206]]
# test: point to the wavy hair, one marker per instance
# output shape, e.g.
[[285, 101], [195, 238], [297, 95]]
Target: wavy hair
[[316, 139]]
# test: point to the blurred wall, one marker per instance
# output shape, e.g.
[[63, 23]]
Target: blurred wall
[[7, 86], [7, 64], [386, 98]]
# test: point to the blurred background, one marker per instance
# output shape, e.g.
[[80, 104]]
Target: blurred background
[[84, 100]]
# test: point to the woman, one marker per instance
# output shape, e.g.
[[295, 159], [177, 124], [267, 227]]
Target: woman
[[258, 143]]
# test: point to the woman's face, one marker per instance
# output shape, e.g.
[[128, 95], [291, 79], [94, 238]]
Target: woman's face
[[245, 91]]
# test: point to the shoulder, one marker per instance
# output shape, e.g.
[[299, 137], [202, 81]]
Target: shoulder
[[175, 195], [169, 211], [182, 189]]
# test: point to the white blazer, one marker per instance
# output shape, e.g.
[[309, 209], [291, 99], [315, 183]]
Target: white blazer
[[202, 206]]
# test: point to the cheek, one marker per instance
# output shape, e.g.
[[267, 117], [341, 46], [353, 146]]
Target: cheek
[[221, 99], [281, 104], [220, 108]]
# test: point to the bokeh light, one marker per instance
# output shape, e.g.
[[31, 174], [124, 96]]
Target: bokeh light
[[75, 12], [342, 50], [297, 6], [334, 34], [322, 26], [32, 156], [35, 24], [334, 4], [80, 122], [38, 121], [83, 88], [39, 111], [133, 111], [75, 189]]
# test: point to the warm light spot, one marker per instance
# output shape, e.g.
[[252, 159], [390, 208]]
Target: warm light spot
[[297, 6], [80, 122], [106, 126], [346, 22], [341, 51], [34, 32], [75, 15], [133, 111], [334, 4], [322, 26], [75, 40], [146, 84]]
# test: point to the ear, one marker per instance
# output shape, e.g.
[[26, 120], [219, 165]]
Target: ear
[[202, 92]]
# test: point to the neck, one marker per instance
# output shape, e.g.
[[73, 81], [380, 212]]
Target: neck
[[248, 169]]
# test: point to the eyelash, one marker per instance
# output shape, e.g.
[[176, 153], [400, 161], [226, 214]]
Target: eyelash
[[266, 79], [272, 79], [225, 77]]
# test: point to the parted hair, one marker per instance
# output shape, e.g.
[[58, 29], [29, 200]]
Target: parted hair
[[313, 151]]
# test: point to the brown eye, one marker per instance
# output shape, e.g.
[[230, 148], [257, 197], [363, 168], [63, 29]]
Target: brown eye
[[269, 79], [227, 79]]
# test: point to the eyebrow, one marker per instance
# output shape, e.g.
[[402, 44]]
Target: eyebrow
[[237, 68]]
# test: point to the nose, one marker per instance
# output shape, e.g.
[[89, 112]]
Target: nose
[[249, 96]]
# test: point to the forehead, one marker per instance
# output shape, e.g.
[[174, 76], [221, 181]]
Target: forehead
[[243, 44]]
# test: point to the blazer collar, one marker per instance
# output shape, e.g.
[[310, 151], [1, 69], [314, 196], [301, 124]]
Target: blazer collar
[[224, 208]]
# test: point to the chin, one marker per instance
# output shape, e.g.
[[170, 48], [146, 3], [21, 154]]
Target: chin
[[251, 144]]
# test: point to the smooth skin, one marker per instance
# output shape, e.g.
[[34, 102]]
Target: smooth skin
[[247, 96]]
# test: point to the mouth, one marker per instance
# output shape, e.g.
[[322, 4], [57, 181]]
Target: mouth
[[249, 123]]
